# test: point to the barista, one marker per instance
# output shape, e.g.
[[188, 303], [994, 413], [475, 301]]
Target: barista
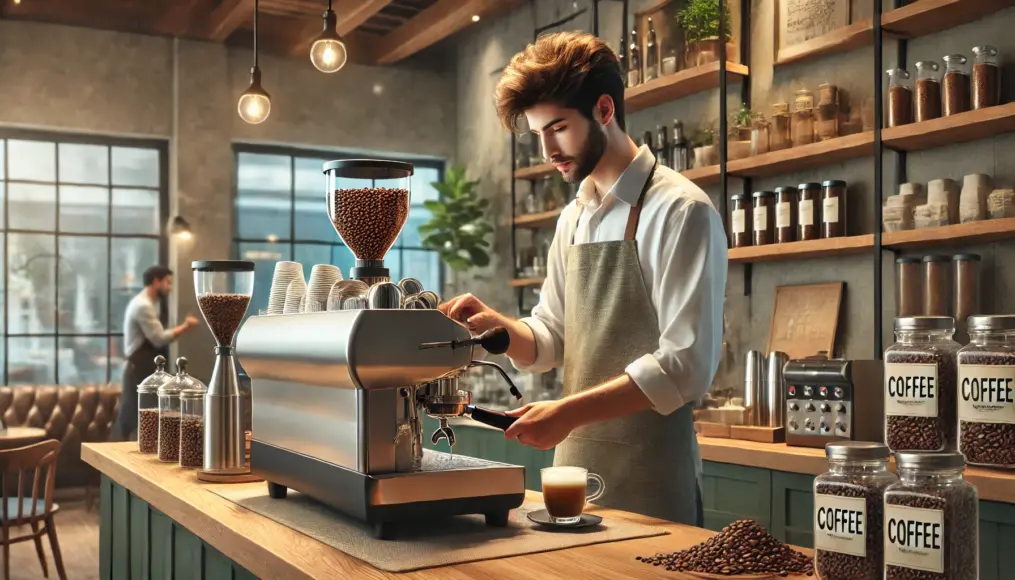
[[633, 299]]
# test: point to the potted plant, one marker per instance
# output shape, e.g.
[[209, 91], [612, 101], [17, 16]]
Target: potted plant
[[705, 152], [700, 21], [740, 126], [458, 226]]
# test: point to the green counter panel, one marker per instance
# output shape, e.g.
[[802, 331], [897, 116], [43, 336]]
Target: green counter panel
[[734, 492]]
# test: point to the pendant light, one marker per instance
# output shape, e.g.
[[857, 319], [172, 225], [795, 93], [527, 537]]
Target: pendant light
[[327, 53], [255, 103]]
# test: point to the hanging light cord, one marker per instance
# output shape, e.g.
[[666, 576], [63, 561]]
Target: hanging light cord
[[256, 2], [329, 5]]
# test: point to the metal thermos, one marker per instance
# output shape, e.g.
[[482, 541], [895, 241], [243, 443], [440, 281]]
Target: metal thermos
[[224, 446], [754, 385], [774, 413]]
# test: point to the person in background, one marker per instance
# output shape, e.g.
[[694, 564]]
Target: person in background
[[144, 338], [632, 305]]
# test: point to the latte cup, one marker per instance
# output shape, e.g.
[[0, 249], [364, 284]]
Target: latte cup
[[565, 492]]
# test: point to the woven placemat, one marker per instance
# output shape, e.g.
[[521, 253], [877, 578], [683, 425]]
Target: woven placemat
[[431, 543]]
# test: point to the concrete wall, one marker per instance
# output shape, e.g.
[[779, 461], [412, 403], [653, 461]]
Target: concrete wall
[[91, 81]]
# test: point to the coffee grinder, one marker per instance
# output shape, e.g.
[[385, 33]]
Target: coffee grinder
[[223, 289], [368, 203]]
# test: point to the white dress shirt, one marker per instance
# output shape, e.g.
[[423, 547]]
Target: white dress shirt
[[141, 322], [682, 251]]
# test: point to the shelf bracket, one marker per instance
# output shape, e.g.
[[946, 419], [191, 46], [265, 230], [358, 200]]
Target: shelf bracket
[[748, 272]]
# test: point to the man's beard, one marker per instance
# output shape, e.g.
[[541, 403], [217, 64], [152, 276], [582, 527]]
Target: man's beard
[[588, 158]]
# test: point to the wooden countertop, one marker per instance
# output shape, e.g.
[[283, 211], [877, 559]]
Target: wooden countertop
[[992, 484], [271, 550]]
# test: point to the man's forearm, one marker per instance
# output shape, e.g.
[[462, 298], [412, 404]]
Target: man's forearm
[[617, 397], [523, 342]]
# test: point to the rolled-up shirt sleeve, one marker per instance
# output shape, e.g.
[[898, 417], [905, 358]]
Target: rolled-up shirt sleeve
[[151, 326], [689, 299]]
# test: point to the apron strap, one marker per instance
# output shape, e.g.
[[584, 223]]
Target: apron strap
[[635, 213]]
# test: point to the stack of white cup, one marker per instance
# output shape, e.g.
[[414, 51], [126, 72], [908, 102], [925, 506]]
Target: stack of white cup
[[322, 278], [286, 274]]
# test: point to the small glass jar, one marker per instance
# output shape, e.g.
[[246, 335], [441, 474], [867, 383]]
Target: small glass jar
[[849, 510], [169, 411], [148, 407], [900, 98], [937, 285], [763, 224], [986, 406], [803, 118], [932, 520], [828, 112], [833, 209], [192, 427], [785, 214], [908, 286], [809, 211], [920, 385], [781, 134], [955, 89], [986, 77], [966, 287], [738, 221], [928, 90], [760, 136]]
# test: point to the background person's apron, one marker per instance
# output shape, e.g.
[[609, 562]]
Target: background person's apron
[[139, 365], [650, 462]]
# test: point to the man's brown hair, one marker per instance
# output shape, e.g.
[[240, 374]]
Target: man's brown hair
[[571, 69]]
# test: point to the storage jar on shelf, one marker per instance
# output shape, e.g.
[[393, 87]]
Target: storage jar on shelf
[[937, 285], [987, 416], [955, 89], [781, 135], [827, 112], [192, 427], [760, 136], [833, 208], [900, 98], [908, 286], [986, 77], [966, 286], [809, 211], [740, 208], [928, 91], [148, 407], [785, 214], [763, 225], [803, 118]]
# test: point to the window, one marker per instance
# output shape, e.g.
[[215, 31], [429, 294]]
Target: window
[[281, 215], [81, 221]]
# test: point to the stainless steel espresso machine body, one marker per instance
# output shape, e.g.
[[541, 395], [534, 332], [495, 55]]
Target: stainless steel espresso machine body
[[833, 400], [337, 402]]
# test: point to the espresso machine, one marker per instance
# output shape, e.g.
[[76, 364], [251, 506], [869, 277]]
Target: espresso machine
[[833, 400]]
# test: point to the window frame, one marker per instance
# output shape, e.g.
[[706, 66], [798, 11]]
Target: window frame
[[109, 142]]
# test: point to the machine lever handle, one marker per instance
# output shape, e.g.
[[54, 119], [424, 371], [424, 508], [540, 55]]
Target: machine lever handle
[[494, 341], [492, 418]]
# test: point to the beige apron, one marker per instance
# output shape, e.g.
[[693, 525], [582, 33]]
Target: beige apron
[[650, 462]]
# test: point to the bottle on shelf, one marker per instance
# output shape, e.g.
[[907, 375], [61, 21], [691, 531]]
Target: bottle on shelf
[[651, 53], [681, 156], [664, 154], [634, 62], [649, 141]]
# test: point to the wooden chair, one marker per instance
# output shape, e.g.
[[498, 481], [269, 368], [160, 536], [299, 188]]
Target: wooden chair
[[27, 464]]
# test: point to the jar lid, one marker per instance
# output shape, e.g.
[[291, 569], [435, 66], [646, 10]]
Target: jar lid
[[937, 258], [369, 169], [908, 260], [986, 48], [834, 183], [966, 258], [856, 451], [762, 194], [957, 58], [785, 189], [991, 322], [152, 382], [780, 108], [182, 381], [811, 185], [190, 394], [927, 460], [932, 65], [925, 323], [222, 266], [738, 197]]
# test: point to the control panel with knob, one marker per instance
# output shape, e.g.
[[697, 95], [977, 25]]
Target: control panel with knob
[[833, 399]]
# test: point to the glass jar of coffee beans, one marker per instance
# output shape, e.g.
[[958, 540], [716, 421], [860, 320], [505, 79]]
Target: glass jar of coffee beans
[[986, 402], [955, 89], [986, 77], [148, 407], [931, 520], [849, 510], [192, 427], [169, 411], [920, 385]]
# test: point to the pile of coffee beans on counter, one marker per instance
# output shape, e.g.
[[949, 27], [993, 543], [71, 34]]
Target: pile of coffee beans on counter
[[224, 312], [985, 443], [169, 436], [906, 433], [961, 522], [743, 547], [148, 431], [369, 219], [838, 566], [191, 442]]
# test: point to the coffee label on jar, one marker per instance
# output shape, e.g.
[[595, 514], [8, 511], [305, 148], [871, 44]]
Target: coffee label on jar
[[782, 215], [986, 393], [830, 213], [911, 389], [806, 210], [840, 524], [914, 538], [739, 221], [761, 218]]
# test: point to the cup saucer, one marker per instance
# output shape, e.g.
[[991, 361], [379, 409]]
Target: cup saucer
[[542, 517]]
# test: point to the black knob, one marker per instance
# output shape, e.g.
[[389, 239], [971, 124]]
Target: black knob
[[825, 408], [841, 427], [794, 407], [841, 409], [809, 408], [495, 341]]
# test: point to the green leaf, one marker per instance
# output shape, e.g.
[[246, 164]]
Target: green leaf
[[479, 257]]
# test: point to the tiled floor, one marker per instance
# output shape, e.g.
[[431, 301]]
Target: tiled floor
[[78, 531]]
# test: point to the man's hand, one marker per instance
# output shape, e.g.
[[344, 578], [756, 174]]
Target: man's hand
[[191, 321], [540, 425], [471, 312]]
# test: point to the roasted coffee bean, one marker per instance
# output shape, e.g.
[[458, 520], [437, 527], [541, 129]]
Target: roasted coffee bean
[[223, 312], [985, 443], [908, 433], [900, 106], [956, 93], [959, 536], [986, 90], [148, 431], [191, 442], [742, 547], [169, 436], [928, 99], [839, 566], [370, 219]]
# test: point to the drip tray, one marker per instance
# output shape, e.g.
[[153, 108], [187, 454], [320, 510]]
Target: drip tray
[[441, 461]]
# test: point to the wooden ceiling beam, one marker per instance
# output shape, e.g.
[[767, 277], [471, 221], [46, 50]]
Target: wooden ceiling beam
[[226, 18], [351, 15], [433, 24]]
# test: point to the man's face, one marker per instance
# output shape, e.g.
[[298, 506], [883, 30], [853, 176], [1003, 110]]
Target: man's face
[[164, 286], [570, 141]]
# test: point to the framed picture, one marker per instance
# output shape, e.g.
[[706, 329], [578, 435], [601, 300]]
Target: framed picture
[[801, 20]]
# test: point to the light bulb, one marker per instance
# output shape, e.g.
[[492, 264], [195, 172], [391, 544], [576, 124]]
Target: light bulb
[[475, 17], [328, 54], [254, 108]]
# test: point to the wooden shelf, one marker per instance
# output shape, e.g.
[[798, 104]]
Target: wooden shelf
[[526, 282], [929, 16], [703, 175], [679, 84], [805, 156], [856, 35], [801, 250], [962, 234], [959, 128], [538, 220], [535, 171]]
